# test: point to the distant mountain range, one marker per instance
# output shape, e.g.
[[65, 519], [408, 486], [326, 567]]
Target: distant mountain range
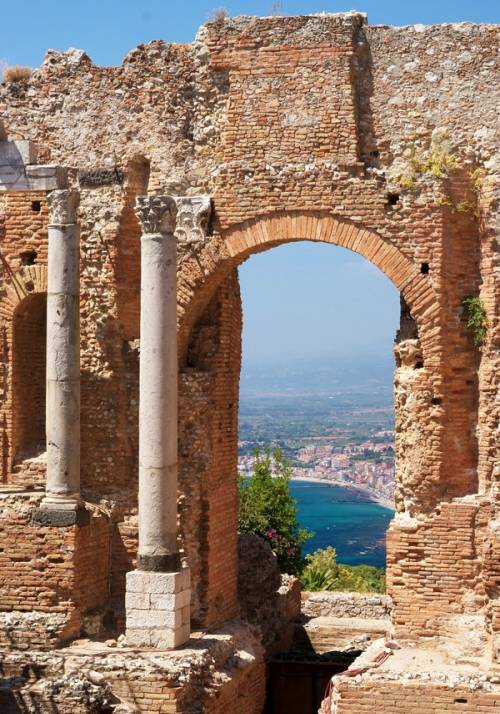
[[322, 376]]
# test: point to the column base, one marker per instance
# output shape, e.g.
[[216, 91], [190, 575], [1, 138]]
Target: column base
[[158, 609], [61, 511]]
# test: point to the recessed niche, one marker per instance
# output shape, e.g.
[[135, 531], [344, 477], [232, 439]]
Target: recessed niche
[[392, 198], [28, 257]]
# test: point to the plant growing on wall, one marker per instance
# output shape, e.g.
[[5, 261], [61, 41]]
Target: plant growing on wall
[[437, 160], [268, 509], [474, 314]]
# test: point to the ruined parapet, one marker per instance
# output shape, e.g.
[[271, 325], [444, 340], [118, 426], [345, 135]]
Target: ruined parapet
[[412, 679], [211, 674], [346, 604]]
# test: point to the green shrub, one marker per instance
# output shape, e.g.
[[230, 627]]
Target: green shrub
[[268, 509], [474, 314], [322, 572]]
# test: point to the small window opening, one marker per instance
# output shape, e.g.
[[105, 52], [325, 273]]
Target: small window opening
[[36, 206], [392, 198], [375, 153], [424, 268], [28, 257], [419, 365], [436, 400], [461, 700]]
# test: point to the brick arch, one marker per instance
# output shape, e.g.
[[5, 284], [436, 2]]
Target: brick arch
[[26, 281], [20, 288], [210, 314], [270, 230]]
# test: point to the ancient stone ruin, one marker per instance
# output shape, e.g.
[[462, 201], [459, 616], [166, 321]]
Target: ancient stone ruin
[[129, 196]]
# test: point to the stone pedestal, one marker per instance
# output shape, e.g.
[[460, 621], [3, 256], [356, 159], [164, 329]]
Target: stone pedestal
[[158, 610]]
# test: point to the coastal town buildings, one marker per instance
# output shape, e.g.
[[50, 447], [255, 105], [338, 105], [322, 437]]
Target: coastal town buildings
[[368, 466]]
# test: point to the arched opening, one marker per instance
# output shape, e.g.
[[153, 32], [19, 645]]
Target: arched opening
[[29, 333], [319, 325], [209, 388]]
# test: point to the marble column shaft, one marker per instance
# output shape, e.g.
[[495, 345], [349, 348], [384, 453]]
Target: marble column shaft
[[158, 549], [63, 353]]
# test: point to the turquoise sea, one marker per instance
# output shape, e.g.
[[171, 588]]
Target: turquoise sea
[[343, 518]]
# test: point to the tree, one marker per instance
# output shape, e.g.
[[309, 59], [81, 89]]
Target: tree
[[268, 509]]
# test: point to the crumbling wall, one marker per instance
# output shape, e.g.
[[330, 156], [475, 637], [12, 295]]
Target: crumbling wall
[[43, 569], [435, 566], [412, 697], [220, 671], [267, 599], [346, 604], [383, 140]]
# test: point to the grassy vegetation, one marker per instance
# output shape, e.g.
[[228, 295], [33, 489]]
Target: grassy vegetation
[[16, 74]]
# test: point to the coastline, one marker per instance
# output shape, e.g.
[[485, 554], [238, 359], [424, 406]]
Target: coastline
[[385, 502]]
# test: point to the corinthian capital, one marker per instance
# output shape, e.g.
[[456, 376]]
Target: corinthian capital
[[63, 205], [193, 214], [156, 214]]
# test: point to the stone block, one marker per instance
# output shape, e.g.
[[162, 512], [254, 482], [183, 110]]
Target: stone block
[[158, 608], [140, 581], [26, 151], [46, 178], [137, 637], [170, 638], [171, 601], [154, 618], [161, 638], [137, 601], [186, 615]]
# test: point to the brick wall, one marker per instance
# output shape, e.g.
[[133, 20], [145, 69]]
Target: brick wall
[[434, 568], [52, 570], [406, 698]]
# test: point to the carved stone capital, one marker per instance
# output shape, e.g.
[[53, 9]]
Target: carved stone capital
[[193, 214], [63, 205], [156, 214]]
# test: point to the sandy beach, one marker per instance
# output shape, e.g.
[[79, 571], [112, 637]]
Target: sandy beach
[[353, 487]]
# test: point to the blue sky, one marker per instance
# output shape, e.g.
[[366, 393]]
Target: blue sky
[[301, 300], [108, 29]]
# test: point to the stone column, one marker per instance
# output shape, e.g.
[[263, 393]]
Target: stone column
[[158, 592], [63, 359]]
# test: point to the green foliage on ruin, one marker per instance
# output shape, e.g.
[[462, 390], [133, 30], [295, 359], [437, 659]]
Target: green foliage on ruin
[[268, 509], [474, 315], [322, 572], [438, 160]]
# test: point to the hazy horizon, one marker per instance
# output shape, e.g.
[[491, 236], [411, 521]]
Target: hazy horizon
[[304, 302]]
